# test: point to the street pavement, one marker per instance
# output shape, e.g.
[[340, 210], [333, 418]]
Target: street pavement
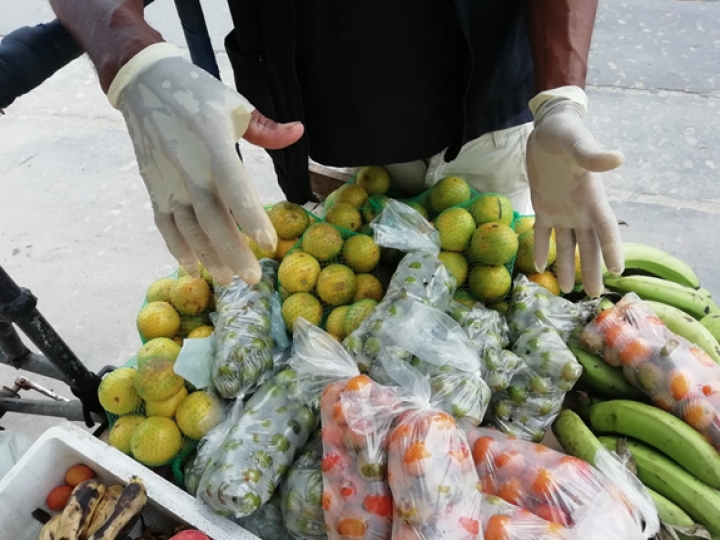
[[76, 225]]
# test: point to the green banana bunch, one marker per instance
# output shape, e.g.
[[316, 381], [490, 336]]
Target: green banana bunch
[[604, 379], [684, 325], [698, 500], [659, 263], [575, 437], [125, 511], [49, 530], [660, 290], [78, 512], [662, 431], [674, 516]]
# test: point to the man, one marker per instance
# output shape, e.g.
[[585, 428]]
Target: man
[[427, 88]]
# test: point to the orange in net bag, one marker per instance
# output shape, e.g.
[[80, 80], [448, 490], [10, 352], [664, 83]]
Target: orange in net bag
[[678, 376], [356, 416], [563, 489], [435, 487]]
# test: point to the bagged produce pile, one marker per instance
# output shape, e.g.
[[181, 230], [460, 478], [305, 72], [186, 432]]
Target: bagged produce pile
[[356, 416], [394, 374], [603, 502], [678, 376]]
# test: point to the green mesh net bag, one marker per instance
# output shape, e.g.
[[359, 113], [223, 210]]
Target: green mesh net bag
[[176, 307], [354, 205], [154, 415], [330, 279]]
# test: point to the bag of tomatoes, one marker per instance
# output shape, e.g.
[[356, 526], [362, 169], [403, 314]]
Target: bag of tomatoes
[[435, 487], [678, 376], [356, 415], [505, 521], [563, 489]]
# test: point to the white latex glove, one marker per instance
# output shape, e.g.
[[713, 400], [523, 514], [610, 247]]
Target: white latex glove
[[184, 124], [563, 161]]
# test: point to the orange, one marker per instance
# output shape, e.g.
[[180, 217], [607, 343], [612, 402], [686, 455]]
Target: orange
[[635, 353], [351, 527], [699, 414], [512, 491], [680, 384], [481, 450], [497, 528], [544, 484]]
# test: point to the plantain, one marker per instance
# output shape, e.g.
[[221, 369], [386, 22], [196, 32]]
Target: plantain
[[49, 530], [79, 510], [126, 510], [104, 509], [659, 263]]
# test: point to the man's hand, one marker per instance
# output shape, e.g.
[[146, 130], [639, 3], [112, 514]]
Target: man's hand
[[567, 192], [184, 125]]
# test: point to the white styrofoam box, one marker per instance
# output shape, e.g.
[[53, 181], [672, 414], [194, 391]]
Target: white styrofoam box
[[43, 467]]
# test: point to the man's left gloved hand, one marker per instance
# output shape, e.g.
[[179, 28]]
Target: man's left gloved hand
[[564, 162]]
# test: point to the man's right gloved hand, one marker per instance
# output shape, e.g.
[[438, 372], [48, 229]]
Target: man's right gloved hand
[[184, 125]]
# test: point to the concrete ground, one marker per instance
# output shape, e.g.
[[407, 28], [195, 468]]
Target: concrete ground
[[75, 221]]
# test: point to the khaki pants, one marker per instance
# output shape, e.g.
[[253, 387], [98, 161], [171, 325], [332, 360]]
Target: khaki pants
[[492, 163]]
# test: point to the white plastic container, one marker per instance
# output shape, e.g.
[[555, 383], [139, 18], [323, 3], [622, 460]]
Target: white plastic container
[[43, 467]]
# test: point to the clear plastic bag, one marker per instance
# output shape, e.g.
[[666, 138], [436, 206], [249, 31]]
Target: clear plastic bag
[[678, 376], [505, 521], [356, 417], [302, 491], [401, 227], [434, 483], [564, 489], [488, 333], [441, 350], [536, 392], [267, 521], [419, 276], [533, 305], [257, 451], [244, 331]]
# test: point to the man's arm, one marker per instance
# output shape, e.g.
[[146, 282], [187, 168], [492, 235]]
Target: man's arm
[[111, 31], [560, 32]]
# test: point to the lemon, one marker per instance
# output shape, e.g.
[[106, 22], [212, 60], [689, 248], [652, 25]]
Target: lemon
[[354, 195], [302, 305], [368, 286], [202, 332], [345, 216], [299, 272], [121, 432], [357, 313], [491, 208], [159, 290], [375, 180], [162, 347], [158, 319], [361, 253], [525, 261], [448, 192], [289, 219], [337, 284], [524, 224], [546, 279], [493, 244], [166, 408], [456, 264], [190, 295], [117, 393], [156, 441], [157, 381], [335, 323], [489, 284], [197, 414], [322, 241], [456, 226]]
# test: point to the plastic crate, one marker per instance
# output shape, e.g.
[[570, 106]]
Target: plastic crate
[[43, 467]]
